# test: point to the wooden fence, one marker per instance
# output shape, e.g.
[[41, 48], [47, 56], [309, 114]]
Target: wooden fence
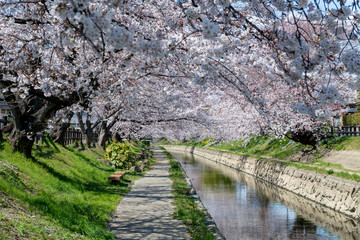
[[346, 131], [72, 136]]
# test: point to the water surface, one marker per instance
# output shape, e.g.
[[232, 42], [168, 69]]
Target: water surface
[[244, 207]]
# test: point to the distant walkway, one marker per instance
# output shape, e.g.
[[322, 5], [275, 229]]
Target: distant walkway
[[145, 212], [350, 160]]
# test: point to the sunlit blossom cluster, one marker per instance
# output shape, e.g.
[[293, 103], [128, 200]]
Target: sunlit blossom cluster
[[351, 60], [227, 67]]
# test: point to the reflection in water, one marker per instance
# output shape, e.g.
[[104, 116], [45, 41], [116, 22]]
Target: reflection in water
[[244, 207]]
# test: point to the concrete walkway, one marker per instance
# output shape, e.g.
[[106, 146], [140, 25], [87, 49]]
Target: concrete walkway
[[350, 160], [145, 212]]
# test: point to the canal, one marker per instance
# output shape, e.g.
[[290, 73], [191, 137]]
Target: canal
[[244, 207]]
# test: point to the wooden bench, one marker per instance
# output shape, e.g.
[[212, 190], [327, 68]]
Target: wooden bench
[[117, 176]]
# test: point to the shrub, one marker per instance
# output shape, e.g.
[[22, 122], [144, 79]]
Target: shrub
[[351, 119], [121, 154]]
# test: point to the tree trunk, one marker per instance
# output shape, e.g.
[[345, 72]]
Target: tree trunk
[[21, 141], [88, 133], [4, 121], [306, 137], [86, 129], [30, 116], [103, 135], [116, 137], [59, 131], [8, 128]]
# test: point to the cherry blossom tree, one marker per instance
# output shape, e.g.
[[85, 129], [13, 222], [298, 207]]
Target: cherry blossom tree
[[140, 106], [273, 58], [60, 53]]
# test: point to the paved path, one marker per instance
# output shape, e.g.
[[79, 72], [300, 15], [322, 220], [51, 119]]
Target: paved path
[[145, 212], [348, 159]]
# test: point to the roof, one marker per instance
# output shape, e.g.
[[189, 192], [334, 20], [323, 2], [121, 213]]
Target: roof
[[4, 105]]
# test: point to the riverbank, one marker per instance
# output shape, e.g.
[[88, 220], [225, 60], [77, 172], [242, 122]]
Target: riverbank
[[189, 207], [246, 207], [61, 193], [339, 194], [337, 154]]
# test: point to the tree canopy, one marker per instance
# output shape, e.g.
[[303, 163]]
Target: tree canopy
[[179, 68]]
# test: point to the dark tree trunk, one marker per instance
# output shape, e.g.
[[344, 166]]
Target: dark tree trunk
[[104, 134], [21, 141], [116, 137], [30, 115], [306, 137], [88, 133], [8, 128], [86, 129], [59, 131]]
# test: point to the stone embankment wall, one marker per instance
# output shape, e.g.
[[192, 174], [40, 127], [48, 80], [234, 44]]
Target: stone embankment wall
[[339, 194]]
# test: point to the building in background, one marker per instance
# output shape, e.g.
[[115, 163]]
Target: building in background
[[5, 112]]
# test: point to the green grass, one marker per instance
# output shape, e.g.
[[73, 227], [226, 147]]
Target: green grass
[[328, 164], [258, 145], [186, 208], [283, 148], [277, 147], [346, 175], [342, 143], [320, 169], [18, 224], [65, 189]]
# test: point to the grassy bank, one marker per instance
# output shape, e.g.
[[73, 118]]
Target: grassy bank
[[62, 193], [257, 145], [186, 207], [289, 152], [324, 168], [281, 148]]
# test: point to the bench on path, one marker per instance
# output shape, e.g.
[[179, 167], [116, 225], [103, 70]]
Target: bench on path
[[117, 176]]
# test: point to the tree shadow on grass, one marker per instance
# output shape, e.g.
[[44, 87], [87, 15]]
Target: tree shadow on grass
[[122, 187], [48, 150], [95, 152], [119, 188], [49, 143], [55, 173], [93, 163], [76, 181], [50, 140], [93, 186], [40, 152], [2, 141], [77, 215]]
